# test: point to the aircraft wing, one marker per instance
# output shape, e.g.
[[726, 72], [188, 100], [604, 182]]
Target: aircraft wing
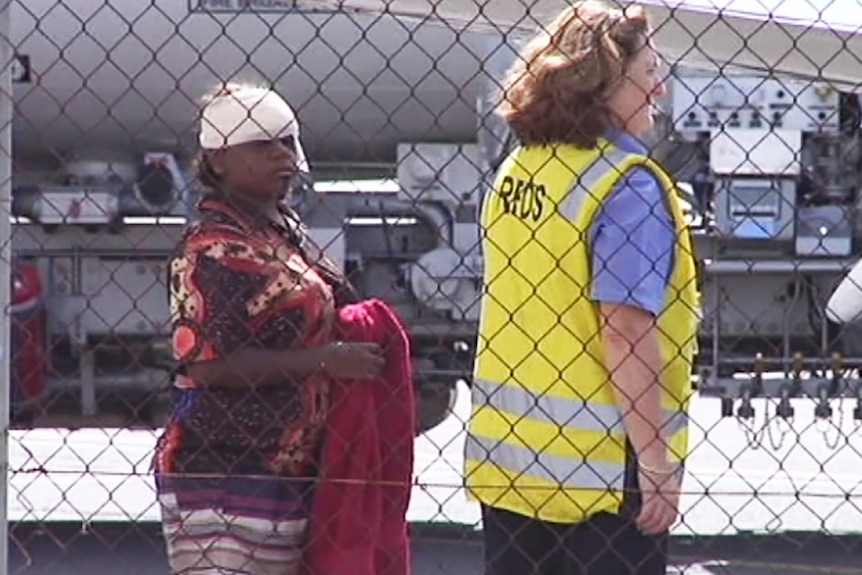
[[782, 36]]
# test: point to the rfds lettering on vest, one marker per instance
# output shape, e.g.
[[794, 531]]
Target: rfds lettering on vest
[[522, 198]]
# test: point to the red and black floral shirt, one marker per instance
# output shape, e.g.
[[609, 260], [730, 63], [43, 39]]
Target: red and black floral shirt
[[240, 283]]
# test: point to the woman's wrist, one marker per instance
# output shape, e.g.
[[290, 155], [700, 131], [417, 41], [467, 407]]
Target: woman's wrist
[[664, 468], [303, 362], [654, 458], [325, 355]]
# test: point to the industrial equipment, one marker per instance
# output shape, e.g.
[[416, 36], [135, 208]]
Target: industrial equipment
[[784, 157], [105, 297], [781, 155]]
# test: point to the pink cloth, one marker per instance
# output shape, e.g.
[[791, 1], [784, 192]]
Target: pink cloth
[[358, 523]]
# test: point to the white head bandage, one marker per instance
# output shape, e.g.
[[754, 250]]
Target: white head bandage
[[248, 114]]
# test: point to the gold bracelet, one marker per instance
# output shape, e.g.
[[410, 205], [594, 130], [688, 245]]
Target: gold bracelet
[[322, 366], [655, 471]]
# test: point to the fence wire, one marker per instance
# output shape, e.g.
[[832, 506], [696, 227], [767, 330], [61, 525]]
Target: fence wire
[[287, 275]]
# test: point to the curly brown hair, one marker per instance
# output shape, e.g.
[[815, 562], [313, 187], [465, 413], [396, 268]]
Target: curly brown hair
[[558, 89]]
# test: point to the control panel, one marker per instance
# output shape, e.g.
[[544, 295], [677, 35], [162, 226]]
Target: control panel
[[707, 103], [779, 159]]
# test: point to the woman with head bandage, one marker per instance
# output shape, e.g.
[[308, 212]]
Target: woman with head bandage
[[253, 309]]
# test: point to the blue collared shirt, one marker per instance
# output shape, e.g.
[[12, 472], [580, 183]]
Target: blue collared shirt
[[632, 239]]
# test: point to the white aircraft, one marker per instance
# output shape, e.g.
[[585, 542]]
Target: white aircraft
[[100, 77], [819, 39], [782, 36], [118, 76]]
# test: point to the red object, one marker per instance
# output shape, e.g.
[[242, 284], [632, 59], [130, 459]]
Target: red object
[[27, 330], [358, 523]]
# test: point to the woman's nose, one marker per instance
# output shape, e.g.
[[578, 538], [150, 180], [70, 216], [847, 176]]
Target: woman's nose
[[283, 149]]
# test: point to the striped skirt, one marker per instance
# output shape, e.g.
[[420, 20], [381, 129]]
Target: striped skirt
[[234, 525]]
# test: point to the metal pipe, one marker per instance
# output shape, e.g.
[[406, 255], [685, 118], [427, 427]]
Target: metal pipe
[[742, 266], [775, 362], [433, 215], [7, 55]]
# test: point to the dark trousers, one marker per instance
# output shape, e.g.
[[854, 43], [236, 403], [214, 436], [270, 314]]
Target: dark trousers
[[605, 544]]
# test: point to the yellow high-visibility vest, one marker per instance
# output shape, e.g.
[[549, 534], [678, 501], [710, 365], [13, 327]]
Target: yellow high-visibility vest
[[545, 437]]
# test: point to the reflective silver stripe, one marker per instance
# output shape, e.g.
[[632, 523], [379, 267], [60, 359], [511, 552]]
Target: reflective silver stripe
[[584, 184], [563, 471], [562, 411], [674, 421]]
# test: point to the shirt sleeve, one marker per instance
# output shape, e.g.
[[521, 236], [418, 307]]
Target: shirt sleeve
[[632, 241], [220, 291]]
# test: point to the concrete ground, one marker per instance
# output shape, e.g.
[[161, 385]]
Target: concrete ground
[[135, 549]]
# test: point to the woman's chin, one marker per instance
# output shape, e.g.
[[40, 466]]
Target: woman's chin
[[281, 190], [641, 127]]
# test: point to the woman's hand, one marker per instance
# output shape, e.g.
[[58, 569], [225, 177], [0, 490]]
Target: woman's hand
[[660, 492], [352, 360]]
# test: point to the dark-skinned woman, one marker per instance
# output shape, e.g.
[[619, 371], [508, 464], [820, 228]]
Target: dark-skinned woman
[[253, 306]]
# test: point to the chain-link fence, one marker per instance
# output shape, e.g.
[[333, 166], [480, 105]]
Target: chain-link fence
[[176, 346]]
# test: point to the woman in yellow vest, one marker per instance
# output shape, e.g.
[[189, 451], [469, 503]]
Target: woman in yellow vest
[[589, 315]]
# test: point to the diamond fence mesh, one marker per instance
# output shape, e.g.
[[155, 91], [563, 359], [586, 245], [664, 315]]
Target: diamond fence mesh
[[212, 202]]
